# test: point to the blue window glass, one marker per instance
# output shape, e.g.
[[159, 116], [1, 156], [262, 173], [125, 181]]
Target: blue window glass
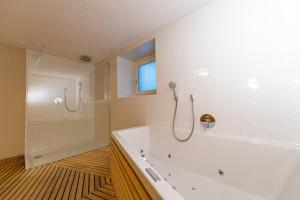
[[147, 77]]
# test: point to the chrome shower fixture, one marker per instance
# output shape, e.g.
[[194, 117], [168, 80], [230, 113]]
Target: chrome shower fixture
[[79, 99], [85, 58], [207, 121], [172, 85]]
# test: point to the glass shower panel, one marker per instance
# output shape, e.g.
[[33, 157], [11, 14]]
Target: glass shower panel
[[60, 116]]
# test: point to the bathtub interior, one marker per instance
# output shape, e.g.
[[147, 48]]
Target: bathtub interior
[[215, 167]]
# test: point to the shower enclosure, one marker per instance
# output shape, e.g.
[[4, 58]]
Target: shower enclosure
[[62, 97]]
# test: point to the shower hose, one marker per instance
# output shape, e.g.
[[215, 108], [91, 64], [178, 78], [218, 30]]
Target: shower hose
[[65, 100], [174, 118]]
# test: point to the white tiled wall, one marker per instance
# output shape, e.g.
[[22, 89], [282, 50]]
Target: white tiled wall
[[126, 80], [241, 59], [50, 126]]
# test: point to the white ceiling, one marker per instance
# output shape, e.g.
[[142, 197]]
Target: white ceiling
[[70, 28], [145, 49]]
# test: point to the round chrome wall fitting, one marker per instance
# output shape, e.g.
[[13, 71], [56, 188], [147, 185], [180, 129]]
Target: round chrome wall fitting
[[207, 121]]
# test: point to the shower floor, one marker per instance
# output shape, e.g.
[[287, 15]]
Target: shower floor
[[36, 159], [86, 176]]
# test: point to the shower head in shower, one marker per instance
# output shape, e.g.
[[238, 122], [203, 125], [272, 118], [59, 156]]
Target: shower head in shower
[[85, 58], [172, 85]]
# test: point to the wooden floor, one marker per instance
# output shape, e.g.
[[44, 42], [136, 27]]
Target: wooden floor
[[86, 176]]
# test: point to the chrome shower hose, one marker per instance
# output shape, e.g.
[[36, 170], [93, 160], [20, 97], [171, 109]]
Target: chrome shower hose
[[174, 118]]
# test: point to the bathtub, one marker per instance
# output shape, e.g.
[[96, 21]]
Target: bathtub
[[212, 167]]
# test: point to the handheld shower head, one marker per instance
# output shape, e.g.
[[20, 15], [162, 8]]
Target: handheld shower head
[[172, 85]]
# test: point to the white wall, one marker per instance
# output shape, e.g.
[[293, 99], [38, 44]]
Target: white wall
[[102, 109], [51, 126], [239, 58], [126, 79], [12, 101]]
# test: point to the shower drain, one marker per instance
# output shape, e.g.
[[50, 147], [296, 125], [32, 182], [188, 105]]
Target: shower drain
[[38, 156]]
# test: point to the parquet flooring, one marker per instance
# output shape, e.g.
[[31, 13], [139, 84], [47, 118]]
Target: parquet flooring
[[86, 176]]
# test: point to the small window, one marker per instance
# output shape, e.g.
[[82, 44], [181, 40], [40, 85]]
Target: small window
[[146, 77]]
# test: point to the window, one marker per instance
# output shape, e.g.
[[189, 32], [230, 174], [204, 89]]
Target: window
[[146, 77]]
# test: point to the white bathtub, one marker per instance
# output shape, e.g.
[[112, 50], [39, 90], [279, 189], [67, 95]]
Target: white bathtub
[[213, 167]]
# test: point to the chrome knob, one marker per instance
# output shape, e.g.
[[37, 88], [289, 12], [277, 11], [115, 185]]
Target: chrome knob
[[207, 121]]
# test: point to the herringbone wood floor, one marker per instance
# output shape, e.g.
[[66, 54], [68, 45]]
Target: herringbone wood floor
[[86, 176]]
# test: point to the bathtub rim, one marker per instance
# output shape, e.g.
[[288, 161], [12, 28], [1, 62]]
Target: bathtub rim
[[157, 190]]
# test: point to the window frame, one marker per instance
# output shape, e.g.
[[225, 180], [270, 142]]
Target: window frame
[[137, 63]]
